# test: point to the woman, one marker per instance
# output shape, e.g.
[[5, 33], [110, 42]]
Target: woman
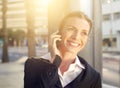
[[65, 69]]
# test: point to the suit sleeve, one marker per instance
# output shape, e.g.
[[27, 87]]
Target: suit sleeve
[[39, 73], [30, 74], [98, 83]]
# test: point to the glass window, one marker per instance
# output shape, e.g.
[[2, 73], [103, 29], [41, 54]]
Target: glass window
[[106, 17], [111, 52], [106, 1], [117, 16], [116, 0]]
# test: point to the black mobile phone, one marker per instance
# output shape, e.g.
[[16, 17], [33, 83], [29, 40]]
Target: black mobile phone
[[58, 42]]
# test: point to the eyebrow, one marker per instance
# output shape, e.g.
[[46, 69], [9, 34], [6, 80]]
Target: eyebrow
[[73, 27], [69, 26], [85, 30]]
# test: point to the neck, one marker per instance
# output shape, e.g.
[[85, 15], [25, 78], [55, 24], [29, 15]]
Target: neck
[[67, 56], [67, 59]]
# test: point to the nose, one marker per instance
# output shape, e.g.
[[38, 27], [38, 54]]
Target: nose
[[76, 35]]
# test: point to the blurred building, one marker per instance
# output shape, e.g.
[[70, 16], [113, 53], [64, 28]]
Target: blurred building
[[111, 25], [16, 16]]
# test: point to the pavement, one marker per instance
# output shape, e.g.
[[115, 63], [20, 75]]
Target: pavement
[[12, 74], [108, 86]]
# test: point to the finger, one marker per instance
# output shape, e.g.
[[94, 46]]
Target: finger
[[56, 32], [56, 39], [52, 37], [53, 41], [55, 36]]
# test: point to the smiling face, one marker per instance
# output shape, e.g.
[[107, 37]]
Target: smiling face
[[74, 34]]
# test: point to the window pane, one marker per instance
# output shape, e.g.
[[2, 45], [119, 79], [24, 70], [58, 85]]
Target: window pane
[[111, 44], [117, 16], [106, 17]]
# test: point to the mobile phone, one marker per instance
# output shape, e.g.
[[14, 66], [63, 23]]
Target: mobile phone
[[58, 42]]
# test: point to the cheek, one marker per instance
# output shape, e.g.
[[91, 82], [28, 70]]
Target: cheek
[[84, 41], [65, 36]]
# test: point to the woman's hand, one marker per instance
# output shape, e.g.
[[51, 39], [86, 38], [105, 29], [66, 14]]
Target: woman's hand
[[53, 45]]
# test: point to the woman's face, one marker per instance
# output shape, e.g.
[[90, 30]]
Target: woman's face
[[75, 33]]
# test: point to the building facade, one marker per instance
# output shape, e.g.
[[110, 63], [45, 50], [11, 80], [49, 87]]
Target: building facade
[[16, 17], [111, 25]]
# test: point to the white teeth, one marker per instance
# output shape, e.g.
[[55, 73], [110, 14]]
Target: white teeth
[[74, 44]]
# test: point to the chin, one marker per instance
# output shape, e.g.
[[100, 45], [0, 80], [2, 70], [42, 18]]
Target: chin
[[73, 51]]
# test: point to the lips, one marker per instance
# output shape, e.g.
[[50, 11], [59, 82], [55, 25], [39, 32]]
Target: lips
[[74, 44]]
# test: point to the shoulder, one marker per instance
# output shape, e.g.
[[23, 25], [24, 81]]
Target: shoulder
[[38, 72], [87, 65], [37, 65], [41, 65], [90, 72], [33, 61], [91, 76]]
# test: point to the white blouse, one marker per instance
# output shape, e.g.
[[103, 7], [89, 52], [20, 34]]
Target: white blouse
[[73, 71]]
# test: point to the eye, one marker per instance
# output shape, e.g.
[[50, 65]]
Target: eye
[[70, 29], [84, 33]]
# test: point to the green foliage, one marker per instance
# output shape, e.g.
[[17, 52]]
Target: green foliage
[[19, 34], [16, 35], [11, 34], [0, 34]]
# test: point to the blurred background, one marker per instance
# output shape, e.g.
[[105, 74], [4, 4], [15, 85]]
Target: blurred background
[[25, 26]]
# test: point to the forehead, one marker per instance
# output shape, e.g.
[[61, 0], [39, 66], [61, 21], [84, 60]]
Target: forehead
[[78, 22]]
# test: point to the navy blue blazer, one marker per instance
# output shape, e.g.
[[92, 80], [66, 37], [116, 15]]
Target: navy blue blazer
[[40, 73]]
